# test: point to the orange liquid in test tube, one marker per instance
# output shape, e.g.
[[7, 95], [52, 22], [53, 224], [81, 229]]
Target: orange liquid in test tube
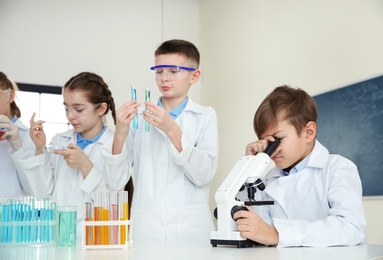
[[88, 229], [105, 229], [97, 217], [96, 229], [105, 217], [124, 214]]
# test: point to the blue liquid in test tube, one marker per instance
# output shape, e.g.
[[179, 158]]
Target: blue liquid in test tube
[[147, 99], [33, 218], [27, 218], [134, 97], [1, 221]]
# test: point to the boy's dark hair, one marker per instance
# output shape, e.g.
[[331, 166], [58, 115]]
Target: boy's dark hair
[[181, 47], [6, 83], [285, 102], [95, 87]]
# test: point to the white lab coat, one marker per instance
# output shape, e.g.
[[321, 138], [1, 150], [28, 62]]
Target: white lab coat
[[320, 205], [49, 174], [10, 184], [171, 194]]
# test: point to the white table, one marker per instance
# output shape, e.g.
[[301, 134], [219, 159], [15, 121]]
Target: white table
[[168, 250]]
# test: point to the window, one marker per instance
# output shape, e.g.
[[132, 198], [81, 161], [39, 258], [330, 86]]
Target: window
[[47, 103]]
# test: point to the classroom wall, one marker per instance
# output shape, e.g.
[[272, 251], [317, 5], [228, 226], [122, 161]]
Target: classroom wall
[[251, 47], [47, 42], [248, 47]]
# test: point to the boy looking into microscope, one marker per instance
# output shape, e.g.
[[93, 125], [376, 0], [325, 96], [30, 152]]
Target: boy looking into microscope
[[317, 195]]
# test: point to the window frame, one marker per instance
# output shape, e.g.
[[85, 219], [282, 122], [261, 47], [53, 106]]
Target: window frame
[[42, 89]]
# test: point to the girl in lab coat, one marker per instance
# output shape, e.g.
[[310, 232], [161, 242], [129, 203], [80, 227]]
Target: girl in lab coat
[[175, 161], [13, 136], [75, 166]]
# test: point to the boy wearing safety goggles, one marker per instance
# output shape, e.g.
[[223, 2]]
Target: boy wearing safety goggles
[[175, 161]]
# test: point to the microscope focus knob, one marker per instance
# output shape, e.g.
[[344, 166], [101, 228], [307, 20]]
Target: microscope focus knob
[[260, 185], [237, 208]]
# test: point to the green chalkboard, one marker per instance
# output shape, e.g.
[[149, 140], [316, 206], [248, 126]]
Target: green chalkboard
[[350, 123]]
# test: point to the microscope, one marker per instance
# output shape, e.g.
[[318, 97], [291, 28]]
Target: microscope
[[247, 173]]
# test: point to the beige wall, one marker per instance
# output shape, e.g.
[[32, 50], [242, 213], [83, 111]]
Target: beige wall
[[252, 46], [248, 47], [47, 42]]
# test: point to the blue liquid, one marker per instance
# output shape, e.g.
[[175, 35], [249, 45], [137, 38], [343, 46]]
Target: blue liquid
[[134, 97], [67, 228], [147, 99], [34, 228]]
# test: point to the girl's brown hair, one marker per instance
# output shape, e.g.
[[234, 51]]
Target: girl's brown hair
[[95, 88], [6, 83]]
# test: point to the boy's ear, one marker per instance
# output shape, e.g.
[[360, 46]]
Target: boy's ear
[[310, 131], [196, 76]]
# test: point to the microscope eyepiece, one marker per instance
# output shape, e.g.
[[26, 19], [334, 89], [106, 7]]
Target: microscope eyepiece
[[272, 146]]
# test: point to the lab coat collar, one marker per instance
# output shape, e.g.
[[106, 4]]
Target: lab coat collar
[[20, 125], [191, 106], [319, 156], [70, 136], [194, 107], [67, 136]]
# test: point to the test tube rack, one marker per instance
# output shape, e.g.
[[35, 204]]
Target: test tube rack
[[28, 233], [27, 220], [120, 224]]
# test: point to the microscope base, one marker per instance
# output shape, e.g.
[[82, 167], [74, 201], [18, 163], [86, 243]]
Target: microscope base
[[230, 238], [237, 243]]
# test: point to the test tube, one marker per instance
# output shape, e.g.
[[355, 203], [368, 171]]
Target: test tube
[[6, 214], [18, 219], [33, 218], [134, 97], [27, 218], [44, 228], [114, 216], [147, 99], [97, 217], [52, 217], [12, 218], [105, 217], [23, 227], [123, 209], [1, 221], [88, 217]]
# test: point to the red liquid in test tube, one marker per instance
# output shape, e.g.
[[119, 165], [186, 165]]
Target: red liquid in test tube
[[114, 216]]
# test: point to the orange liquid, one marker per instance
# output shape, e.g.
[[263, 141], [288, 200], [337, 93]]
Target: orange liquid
[[96, 233], [125, 214], [105, 229], [88, 232]]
